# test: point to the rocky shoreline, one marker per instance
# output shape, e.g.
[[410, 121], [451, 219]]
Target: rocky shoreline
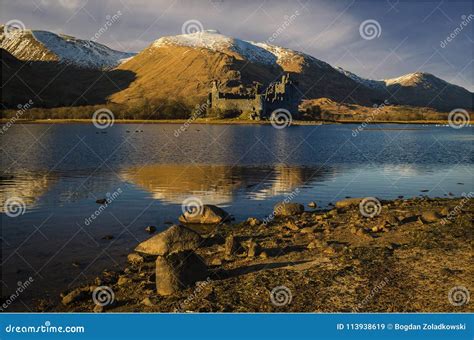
[[404, 255]]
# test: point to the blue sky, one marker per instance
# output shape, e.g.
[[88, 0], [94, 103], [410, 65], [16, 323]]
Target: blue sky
[[409, 38]]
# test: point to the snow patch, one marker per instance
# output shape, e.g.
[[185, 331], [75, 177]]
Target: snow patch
[[67, 49], [373, 84], [252, 51], [83, 53]]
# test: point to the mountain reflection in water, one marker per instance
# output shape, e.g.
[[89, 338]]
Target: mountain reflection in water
[[218, 184]]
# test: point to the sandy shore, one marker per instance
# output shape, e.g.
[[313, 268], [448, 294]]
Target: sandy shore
[[405, 259]]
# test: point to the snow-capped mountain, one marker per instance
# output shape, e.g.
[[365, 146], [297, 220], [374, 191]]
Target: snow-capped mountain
[[252, 51], [33, 45], [183, 67], [417, 89], [257, 52]]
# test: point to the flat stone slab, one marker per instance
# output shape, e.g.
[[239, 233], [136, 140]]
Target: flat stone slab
[[174, 239]]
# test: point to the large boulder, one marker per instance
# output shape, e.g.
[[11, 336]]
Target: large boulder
[[349, 202], [174, 239], [430, 216], [288, 209], [207, 214], [178, 271]]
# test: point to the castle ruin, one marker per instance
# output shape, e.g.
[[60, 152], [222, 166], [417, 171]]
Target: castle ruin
[[256, 103]]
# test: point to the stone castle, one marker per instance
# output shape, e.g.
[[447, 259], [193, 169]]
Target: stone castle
[[256, 103]]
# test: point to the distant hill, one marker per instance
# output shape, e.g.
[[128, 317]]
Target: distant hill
[[418, 89], [327, 109]]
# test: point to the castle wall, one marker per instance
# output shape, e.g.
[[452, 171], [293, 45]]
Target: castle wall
[[280, 95], [244, 105]]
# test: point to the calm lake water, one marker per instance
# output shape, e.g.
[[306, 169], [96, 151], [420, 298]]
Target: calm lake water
[[58, 172]]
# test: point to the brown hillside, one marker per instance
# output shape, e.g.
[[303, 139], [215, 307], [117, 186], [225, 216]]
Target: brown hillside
[[171, 70], [187, 73]]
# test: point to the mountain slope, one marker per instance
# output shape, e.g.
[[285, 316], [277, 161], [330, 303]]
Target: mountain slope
[[424, 89], [32, 45], [418, 89], [185, 66], [49, 84]]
